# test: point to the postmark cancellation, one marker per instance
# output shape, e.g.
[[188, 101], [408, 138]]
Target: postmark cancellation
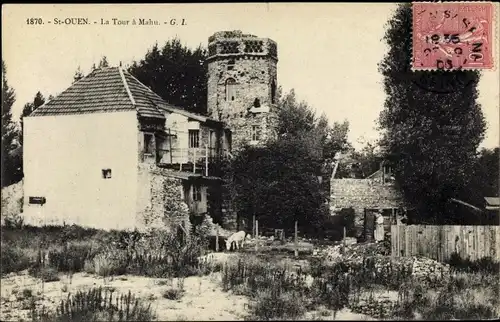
[[453, 35]]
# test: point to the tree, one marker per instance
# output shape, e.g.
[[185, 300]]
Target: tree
[[11, 163], [432, 137], [29, 108], [280, 182], [78, 75], [176, 73], [485, 179]]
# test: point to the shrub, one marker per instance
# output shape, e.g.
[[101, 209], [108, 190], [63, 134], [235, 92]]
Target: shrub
[[72, 256], [14, 259], [485, 265], [173, 294], [112, 263], [46, 274], [460, 298], [251, 276], [98, 305], [272, 304]]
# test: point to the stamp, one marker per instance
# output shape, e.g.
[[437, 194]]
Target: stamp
[[452, 36]]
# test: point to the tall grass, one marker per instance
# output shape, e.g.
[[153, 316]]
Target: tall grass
[[73, 249], [98, 305]]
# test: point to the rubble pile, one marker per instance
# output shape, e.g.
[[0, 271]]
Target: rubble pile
[[377, 308], [426, 269]]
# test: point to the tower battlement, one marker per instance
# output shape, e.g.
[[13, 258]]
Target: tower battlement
[[236, 43]]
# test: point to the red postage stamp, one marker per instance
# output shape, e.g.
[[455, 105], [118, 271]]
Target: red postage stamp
[[451, 36]]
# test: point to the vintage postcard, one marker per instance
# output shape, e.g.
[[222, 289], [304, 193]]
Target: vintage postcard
[[266, 161]]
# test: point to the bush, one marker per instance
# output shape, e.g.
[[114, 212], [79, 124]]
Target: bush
[[251, 276], [72, 256], [98, 305], [46, 274], [486, 264], [173, 294], [111, 263], [273, 304], [14, 259], [460, 298]]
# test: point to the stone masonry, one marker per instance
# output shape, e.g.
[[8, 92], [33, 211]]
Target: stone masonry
[[242, 85], [361, 194], [250, 63]]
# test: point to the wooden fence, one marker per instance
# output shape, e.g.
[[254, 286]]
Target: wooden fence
[[440, 242]]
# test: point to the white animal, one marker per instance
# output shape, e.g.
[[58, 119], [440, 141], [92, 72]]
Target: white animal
[[238, 237]]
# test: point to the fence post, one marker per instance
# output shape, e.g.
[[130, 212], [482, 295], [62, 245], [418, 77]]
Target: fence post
[[296, 241], [217, 239], [253, 226], [206, 160], [256, 235]]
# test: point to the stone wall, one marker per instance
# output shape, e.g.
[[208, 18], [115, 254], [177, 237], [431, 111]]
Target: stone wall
[[361, 194], [159, 192], [255, 75]]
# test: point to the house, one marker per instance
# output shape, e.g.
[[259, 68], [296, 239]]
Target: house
[[359, 199], [491, 210], [108, 152]]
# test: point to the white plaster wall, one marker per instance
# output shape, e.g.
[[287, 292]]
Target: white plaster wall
[[63, 161], [179, 124]]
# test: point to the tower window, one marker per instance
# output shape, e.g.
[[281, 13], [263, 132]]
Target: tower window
[[273, 92], [194, 138], [255, 132], [230, 65], [230, 89], [256, 103]]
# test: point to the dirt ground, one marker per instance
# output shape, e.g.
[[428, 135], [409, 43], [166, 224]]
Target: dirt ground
[[203, 299]]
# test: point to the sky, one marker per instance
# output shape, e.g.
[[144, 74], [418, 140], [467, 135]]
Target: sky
[[328, 52]]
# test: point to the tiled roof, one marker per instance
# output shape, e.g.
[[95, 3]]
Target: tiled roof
[[109, 90]]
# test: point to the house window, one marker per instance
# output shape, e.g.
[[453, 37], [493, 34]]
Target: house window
[[148, 143], [106, 173], [255, 133], [196, 193], [194, 138], [230, 89]]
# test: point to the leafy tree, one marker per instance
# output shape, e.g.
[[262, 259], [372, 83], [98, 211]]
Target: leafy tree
[[176, 73], [278, 184], [432, 137], [11, 163], [29, 108], [281, 181], [485, 178]]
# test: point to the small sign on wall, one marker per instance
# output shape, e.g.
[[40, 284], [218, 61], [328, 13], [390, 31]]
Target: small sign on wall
[[37, 200]]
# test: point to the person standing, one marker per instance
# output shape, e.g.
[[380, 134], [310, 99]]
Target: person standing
[[379, 227]]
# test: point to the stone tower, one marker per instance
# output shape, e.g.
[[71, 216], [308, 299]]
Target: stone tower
[[242, 84]]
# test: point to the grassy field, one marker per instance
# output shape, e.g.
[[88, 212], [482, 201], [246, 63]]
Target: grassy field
[[56, 273]]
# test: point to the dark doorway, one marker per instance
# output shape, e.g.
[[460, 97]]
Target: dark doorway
[[369, 225]]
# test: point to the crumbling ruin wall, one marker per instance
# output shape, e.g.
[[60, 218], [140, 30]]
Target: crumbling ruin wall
[[361, 194], [160, 200]]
